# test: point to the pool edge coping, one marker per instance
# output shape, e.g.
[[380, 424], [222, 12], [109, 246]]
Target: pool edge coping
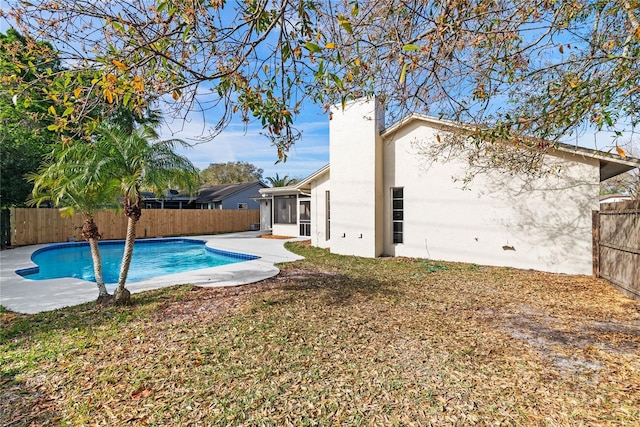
[[17, 295], [52, 246]]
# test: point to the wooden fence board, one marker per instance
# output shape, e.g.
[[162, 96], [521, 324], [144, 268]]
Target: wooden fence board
[[617, 231], [30, 226]]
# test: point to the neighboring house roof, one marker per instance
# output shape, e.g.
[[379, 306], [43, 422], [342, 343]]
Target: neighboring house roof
[[209, 194], [610, 164], [172, 195], [147, 195], [217, 193]]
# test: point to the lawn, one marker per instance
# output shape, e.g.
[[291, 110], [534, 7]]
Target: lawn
[[335, 340]]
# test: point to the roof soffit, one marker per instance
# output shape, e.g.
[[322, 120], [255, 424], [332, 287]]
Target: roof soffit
[[610, 164]]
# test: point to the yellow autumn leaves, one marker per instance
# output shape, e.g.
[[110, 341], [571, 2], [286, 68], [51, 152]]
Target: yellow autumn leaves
[[64, 108], [128, 89], [121, 87], [116, 86], [119, 64]]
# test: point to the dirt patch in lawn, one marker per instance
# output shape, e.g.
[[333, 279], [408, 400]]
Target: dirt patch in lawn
[[202, 304], [566, 333], [569, 343]]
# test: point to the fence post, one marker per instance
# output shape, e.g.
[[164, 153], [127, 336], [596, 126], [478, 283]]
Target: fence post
[[5, 226], [12, 226], [595, 228]]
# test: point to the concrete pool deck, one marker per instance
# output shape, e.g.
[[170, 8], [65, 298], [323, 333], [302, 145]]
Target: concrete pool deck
[[33, 296]]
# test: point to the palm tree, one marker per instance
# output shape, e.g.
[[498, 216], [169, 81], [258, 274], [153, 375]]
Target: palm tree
[[138, 160], [281, 182], [63, 182]]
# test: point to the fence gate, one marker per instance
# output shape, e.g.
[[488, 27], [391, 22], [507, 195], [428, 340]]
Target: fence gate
[[616, 245]]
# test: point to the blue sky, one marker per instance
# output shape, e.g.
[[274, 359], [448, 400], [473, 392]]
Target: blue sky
[[310, 153], [240, 143], [236, 143]]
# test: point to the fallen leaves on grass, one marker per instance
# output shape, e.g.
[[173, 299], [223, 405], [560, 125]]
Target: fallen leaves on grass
[[141, 393], [337, 340]]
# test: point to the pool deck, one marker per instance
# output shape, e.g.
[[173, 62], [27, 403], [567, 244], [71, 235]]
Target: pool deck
[[34, 296]]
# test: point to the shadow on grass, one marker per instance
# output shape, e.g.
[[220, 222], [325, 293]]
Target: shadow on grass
[[345, 277], [14, 326], [22, 404], [339, 279], [338, 289], [325, 279], [543, 332]]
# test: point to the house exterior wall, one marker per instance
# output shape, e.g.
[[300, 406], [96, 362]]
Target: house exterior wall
[[288, 230], [319, 188], [542, 223], [615, 198], [355, 151], [242, 196]]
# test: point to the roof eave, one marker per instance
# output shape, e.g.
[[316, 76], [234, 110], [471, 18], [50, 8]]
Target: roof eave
[[610, 164], [278, 190], [311, 177]]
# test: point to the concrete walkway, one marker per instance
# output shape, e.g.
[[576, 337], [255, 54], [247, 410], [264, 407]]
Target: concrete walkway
[[33, 296]]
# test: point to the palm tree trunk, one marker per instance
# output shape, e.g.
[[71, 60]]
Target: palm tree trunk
[[122, 295], [133, 212], [97, 269], [91, 234]]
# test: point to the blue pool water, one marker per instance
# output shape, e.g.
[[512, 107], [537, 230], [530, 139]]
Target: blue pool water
[[151, 258]]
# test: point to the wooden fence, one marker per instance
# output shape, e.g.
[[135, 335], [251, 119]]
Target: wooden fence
[[616, 246], [31, 226]]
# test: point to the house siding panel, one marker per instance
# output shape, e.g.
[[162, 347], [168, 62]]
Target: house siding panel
[[319, 187], [354, 156], [285, 230], [243, 196], [539, 223]]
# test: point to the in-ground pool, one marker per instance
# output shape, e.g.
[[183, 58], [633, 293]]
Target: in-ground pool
[[151, 258]]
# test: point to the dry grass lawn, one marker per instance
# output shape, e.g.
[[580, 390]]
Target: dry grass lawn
[[335, 341]]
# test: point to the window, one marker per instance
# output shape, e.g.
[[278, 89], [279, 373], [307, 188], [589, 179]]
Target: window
[[397, 214], [305, 210], [242, 206], [305, 218], [284, 210], [328, 224]]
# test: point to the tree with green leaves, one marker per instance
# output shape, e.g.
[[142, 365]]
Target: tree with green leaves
[[229, 173], [65, 183], [525, 71], [136, 159], [277, 181], [24, 138]]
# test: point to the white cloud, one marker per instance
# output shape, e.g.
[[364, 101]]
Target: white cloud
[[237, 143]]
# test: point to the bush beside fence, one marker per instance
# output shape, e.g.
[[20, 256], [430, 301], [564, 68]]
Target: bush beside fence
[[30, 226]]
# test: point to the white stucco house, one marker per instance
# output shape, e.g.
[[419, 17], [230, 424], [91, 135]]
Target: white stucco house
[[615, 198], [380, 196]]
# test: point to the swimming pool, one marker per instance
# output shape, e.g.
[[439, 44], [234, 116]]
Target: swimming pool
[[151, 258]]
